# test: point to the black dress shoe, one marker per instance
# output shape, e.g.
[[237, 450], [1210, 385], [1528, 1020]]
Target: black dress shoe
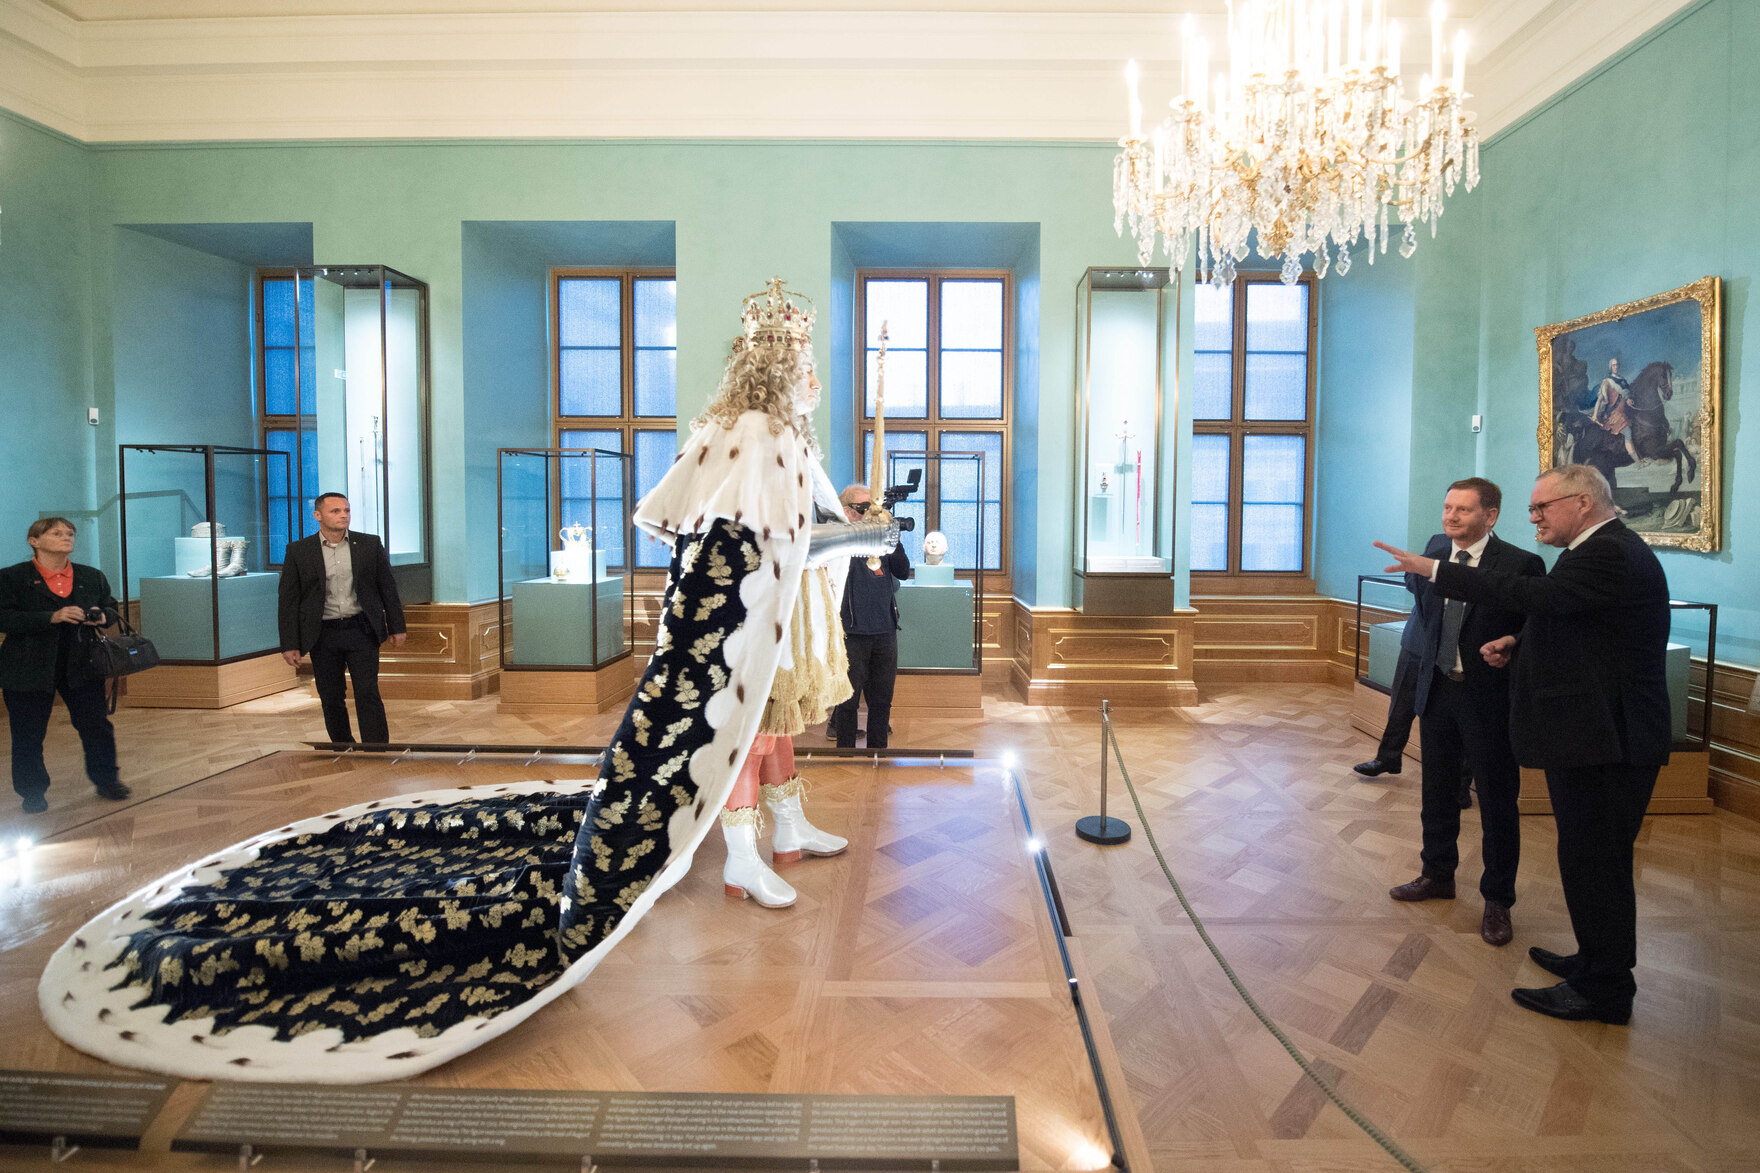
[[1554, 963], [35, 804], [1561, 1001], [1494, 926], [1375, 767], [114, 791], [1424, 888]]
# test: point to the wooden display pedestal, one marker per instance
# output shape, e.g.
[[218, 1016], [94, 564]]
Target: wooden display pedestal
[[209, 686], [1683, 787], [938, 694], [586, 690]]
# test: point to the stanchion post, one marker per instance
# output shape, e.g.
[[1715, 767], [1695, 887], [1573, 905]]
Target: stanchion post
[[1099, 828]]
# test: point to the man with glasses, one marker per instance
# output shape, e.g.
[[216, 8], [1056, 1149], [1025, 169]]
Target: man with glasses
[[1589, 706]]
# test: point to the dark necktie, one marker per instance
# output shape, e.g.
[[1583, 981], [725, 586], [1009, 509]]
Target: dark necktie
[[1453, 612]]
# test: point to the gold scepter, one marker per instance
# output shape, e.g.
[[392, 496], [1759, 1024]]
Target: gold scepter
[[876, 509]]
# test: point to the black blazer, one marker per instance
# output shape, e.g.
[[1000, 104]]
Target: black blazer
[[27, 657], [1482, 623], [302, 590], [1589, 686]]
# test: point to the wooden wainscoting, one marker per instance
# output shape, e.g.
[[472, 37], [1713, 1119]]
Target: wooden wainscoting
[[998, 638], [1735, 737], [1261, 639], [1063, 657], [453, 653]]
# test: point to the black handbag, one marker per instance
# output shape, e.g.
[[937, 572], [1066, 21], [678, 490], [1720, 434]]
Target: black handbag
[[108, 657]]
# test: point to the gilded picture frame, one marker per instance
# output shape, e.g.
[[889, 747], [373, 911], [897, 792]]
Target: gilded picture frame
[[1636, 391]]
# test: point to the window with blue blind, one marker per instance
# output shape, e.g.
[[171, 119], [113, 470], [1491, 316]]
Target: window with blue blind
[[616, 374], [286, 405], [1253, 396], [948, 373]]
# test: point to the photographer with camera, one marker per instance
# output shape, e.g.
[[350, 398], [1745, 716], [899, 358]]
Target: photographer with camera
[[870, 624], [44, 602]]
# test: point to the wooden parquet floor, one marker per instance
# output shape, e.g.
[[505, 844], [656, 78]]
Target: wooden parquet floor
[[1285, 853], [922, 961]]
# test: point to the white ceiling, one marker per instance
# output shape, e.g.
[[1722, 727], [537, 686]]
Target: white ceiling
[[156, 70]]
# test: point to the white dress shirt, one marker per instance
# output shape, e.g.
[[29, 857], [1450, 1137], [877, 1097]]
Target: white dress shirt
[[339, 597]]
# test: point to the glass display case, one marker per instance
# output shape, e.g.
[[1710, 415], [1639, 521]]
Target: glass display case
[[198, 572], [940, 607], [348, 344], [1127, 363], [1377, 650], [565, 519], [1692, 638]]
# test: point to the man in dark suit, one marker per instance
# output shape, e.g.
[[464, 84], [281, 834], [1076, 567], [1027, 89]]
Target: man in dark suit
[[1590, 707], [339, 603], [1463, 710], [1402, 702]]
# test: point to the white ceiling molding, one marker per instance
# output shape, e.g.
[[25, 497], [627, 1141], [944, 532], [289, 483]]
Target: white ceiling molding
[[383, 69]]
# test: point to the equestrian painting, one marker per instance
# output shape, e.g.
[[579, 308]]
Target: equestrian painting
[[1636, 392]]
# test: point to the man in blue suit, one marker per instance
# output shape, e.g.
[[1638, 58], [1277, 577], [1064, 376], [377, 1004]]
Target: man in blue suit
[[1463, 710]]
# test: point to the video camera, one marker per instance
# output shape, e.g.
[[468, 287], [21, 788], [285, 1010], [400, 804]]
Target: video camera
[[893, 494]]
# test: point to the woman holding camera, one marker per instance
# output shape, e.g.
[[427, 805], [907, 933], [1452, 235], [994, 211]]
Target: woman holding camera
[[44, 602]]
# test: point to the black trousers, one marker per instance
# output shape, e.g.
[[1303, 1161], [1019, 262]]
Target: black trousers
[[27, 710], [348, 645], [1401, 708], [873, 670], [1468, 728], [1599, 810]]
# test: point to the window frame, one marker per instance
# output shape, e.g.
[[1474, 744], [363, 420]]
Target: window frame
[[303, 525], [627, 423], [1234, 580], [932, 424]]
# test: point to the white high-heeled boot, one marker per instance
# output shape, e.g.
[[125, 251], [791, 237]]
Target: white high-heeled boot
[[235, 548], [746, 874], [794, 835]]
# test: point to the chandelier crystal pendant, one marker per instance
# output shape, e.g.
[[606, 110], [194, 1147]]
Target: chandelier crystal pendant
[[1305, 138]]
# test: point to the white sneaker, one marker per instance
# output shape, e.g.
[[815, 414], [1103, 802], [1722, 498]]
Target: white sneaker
[[795, 836], [745, 873]]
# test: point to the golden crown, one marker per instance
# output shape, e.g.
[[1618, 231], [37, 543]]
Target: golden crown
[[773, 321]]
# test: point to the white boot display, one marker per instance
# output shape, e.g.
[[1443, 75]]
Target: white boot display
[[794, 835], [235, 548], [745, 873]]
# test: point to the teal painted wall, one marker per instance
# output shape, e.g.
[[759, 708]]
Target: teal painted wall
[[1643, 177], [1363, 407], [181, 344], [54, 459], [742, 212]]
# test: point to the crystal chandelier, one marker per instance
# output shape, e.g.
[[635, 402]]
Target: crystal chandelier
[[1306, 139]]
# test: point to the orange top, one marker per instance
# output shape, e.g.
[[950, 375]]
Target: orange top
[[60, 581]]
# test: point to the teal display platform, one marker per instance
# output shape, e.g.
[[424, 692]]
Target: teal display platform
[[1384, 651], [553, 622], [1384, 655], [177, 614], [1677, 665], [934, 625], [931, 576]]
